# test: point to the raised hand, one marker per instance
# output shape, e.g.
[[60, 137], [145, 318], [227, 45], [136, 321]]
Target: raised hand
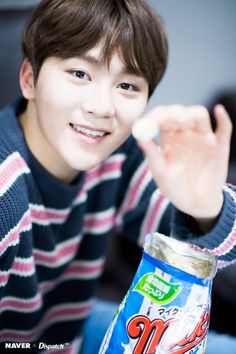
[[190, 164]]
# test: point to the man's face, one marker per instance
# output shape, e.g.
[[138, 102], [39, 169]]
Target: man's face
[[81, 111]]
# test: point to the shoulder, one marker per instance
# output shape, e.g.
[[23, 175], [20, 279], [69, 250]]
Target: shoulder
[[12, 149], [13, 190], [14, 203], [15, 218]]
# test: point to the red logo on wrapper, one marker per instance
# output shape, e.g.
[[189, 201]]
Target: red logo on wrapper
[[151, 334]]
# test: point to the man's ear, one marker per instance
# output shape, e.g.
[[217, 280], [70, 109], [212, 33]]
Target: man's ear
[[27, 80]]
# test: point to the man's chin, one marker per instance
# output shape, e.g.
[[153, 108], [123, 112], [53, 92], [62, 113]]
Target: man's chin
[[88, 165]]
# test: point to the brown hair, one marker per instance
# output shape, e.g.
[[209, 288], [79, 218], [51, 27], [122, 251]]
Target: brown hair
[[68, 28]]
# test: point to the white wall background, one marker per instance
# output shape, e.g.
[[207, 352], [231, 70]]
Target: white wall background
[[202, 46], [8, 4]]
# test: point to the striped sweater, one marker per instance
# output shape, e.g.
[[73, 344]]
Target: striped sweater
[[53, 235]]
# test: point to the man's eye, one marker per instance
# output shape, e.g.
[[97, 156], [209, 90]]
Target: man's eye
[[128, 87], [80, 74]]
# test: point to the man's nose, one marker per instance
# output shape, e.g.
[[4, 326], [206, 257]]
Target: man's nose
[[99, 103]]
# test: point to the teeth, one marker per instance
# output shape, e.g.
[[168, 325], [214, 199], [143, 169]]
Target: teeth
[[89, 132]]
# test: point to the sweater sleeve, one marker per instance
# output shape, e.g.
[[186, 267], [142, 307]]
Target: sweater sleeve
[[221, 239], [14, 213], [141, 207]]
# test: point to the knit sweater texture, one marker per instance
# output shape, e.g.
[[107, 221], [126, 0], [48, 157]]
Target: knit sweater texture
[[53, 235]]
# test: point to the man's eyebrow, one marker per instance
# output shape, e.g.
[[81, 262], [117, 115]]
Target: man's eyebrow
[[98, 61], [91, 59]]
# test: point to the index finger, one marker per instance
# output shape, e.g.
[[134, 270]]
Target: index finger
[[164, 118]]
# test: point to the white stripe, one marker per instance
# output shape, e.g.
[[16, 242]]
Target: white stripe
[[139, 192], [63, 213], [17, 273], [18, 230], [230, 191], [20, 171], [81, 198], [100, 214], [4, 274], [96, 217], [70, 274], [145, 181], [81, 276], [23, 302], [47, 322], [104, 176], [24, 273]]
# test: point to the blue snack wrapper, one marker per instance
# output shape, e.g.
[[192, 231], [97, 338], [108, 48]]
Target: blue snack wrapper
[[166, 311]]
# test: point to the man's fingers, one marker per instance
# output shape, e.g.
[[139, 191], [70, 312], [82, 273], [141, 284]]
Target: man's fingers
[[174, 118], [155, 157], [224, 125], [199, 119]]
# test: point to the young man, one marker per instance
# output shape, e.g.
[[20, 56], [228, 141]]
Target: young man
[[70, 172]]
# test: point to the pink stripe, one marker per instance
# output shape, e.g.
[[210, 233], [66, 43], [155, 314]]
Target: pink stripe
[[47, 215], [54, 258], [23, 267], [223, 248], [46, 286], [109, 166], [222, 264], [153, 214], [13, 236], [135, 187], [76, 268], [20, 304], [131, 198], [4, 278], [67, 312], [11, 169], [98, 221], [227, 245], [56, 314]]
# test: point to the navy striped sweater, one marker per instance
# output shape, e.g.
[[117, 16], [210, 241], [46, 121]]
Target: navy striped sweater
[[53, 235]]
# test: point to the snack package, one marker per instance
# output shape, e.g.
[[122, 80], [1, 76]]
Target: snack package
[[167, 308]]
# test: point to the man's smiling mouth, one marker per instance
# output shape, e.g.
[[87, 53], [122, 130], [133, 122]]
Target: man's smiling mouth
[[89, 132]]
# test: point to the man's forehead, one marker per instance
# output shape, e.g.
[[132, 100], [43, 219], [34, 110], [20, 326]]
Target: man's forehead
[[95, 56], [116, 61]]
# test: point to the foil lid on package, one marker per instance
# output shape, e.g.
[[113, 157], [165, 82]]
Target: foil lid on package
[[181, 255]]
